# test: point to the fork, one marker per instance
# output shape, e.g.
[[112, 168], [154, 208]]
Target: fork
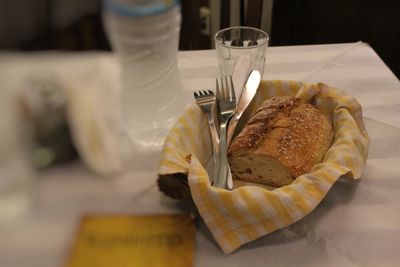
[[226, 101], [205, 99]]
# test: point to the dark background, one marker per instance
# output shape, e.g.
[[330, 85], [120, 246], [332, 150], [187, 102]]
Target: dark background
[[31, 25]]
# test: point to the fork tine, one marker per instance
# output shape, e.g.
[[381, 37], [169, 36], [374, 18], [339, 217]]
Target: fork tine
[[232, 90], [223, 88], [218, 92], [226, 88], [210, 92], [195, 94]]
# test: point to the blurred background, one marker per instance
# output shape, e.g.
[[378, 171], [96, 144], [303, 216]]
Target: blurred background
[[31, 25]]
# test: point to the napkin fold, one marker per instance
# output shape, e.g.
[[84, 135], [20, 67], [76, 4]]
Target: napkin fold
[[250, 211]]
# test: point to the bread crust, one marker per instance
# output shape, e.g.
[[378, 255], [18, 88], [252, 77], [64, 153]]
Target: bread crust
[[292, 132]]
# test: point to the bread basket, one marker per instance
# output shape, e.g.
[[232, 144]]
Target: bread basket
[[250, 211]]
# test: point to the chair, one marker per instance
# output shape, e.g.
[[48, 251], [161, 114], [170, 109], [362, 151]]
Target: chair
[[252, 13]]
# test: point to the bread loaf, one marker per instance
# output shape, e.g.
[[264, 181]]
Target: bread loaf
[[284, 139]]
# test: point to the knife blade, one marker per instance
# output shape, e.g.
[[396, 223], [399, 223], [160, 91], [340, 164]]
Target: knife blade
[[247, 95]]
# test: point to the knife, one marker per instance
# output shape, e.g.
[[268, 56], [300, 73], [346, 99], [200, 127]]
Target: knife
[[248, 92]]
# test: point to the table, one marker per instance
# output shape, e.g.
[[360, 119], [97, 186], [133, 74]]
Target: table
[[357, 224]]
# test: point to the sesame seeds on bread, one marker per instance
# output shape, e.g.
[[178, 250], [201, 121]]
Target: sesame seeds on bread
[[284, 139]]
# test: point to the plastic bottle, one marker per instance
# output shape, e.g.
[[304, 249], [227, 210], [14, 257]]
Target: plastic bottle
[[145, 37]]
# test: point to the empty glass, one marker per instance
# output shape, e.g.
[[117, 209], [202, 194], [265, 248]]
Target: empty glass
[[240, 50]]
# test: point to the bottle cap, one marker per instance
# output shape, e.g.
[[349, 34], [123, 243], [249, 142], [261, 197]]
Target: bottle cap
[[138, 8]]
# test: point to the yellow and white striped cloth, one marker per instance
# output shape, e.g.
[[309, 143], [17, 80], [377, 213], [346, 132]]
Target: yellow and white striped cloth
[[250, 211]]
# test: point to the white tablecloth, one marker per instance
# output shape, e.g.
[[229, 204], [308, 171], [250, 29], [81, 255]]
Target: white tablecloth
[[357, 224]]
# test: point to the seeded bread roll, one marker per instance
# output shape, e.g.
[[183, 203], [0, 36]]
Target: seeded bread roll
[[284, 139]]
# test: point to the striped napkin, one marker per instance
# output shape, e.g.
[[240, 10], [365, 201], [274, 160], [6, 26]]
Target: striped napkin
[[250, 211]]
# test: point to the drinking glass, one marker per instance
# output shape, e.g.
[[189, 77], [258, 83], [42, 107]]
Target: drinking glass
[[240, 50]]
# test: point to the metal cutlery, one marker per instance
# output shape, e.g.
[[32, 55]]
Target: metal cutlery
[[248, 92], [218, 168], [206, 101], [226, 101]]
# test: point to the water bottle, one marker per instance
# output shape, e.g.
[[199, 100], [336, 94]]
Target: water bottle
[[145, 36]]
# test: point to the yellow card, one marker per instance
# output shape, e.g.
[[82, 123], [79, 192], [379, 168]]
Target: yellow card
[[125, 241]]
